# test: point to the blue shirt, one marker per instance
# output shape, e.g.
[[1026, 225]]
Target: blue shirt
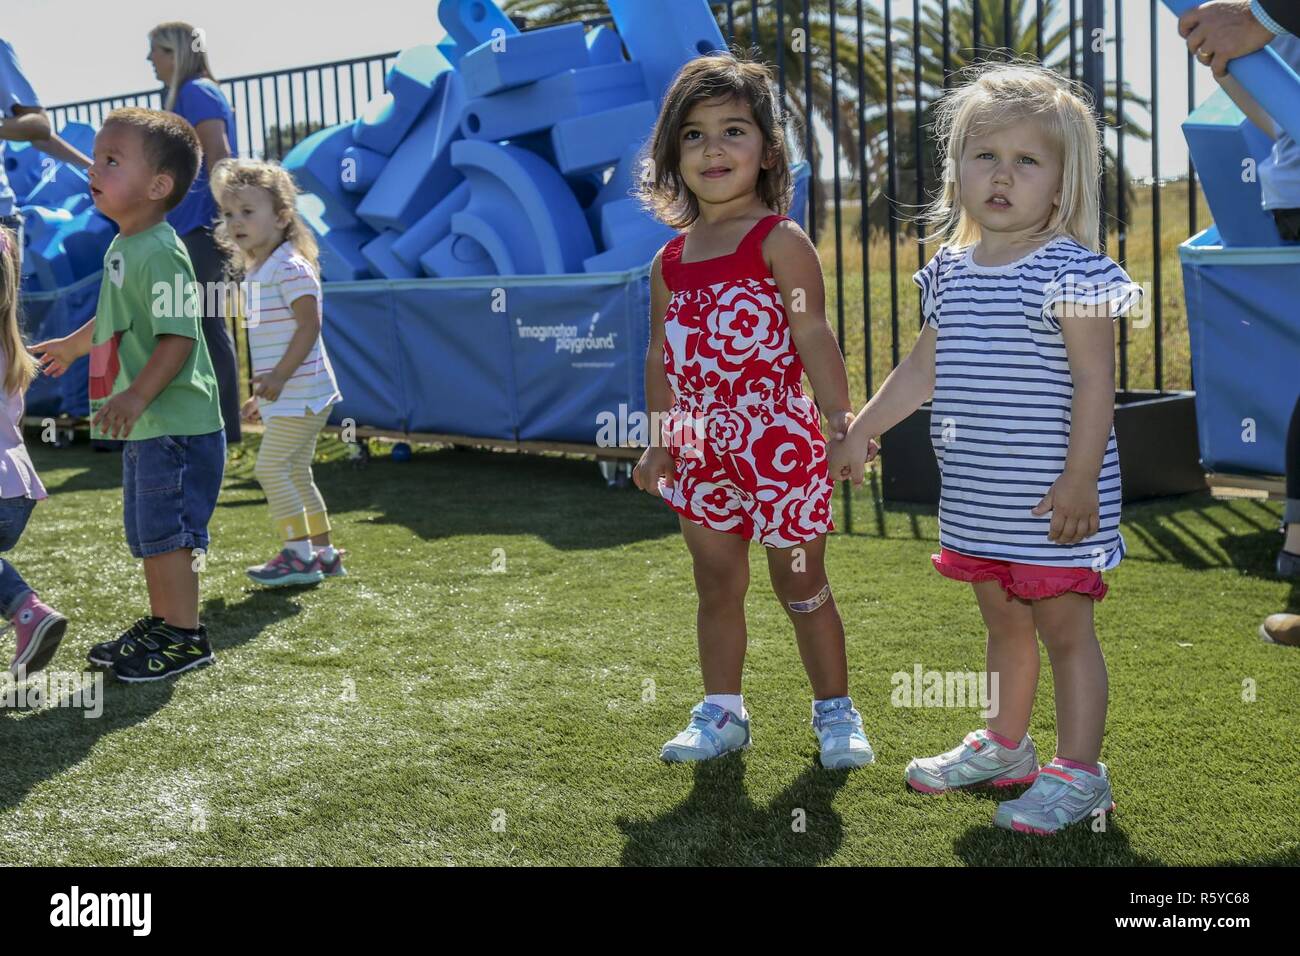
[[14, 91], [1003, 394], [197, 100], [1279, 174]]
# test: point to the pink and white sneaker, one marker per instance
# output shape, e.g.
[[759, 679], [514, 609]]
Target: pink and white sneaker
[[979, 761], [39, 629]]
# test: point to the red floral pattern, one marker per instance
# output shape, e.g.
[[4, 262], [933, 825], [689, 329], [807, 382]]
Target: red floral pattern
[[750, 455]]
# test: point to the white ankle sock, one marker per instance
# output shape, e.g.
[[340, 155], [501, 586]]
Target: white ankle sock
[[325, 551], [732, 702], [300, 549]]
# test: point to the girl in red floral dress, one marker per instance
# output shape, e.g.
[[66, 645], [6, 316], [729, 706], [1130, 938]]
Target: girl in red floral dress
[[742, 456]]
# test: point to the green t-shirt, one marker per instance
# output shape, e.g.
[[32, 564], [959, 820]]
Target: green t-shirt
[[149, 290]]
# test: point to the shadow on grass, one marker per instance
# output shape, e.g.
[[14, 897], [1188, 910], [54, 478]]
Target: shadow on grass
[[48, 741], [42, 742], [718, 825], [1076, 846], [445, 492]]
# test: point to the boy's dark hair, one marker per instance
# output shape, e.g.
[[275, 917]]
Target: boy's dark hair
[[663, 190], [170, 145]]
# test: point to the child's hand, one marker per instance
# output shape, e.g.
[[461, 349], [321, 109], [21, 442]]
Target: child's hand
[[1075, 507], [118, 415], [656, 465], [249, 412], [847, 459], [268, 385], [839, 425], [54, 355]]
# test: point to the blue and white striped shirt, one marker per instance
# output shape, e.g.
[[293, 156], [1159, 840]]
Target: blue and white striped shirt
[[1000, 421]]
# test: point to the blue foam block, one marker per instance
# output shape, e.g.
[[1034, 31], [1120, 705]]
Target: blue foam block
[[633, 255], [420, 171], [378, 252], [626, 220], [315, 163], [520, 210], [472, 22], [412, 81], [539, 106], [457, 257], [359, 168], [1220, 139], [449, 49], [78, 203], [618, 186], [44, 255], [59, 183], [431, 228], [340, 246], [604, 46], [598, 140], [86, 241], [24, 164], [664, 36], [801, 173], [508, 62], [79, 135]]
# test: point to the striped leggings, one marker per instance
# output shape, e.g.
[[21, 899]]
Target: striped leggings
[[284, 470]]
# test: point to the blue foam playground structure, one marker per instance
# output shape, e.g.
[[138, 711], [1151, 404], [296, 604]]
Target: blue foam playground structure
[[410, 85], [504, 64], [1240, 279], [495, 161]]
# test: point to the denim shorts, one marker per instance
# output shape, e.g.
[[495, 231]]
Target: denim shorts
[[169, 491]]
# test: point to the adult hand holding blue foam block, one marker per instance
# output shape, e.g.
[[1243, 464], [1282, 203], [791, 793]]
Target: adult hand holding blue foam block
[[1265, 76]]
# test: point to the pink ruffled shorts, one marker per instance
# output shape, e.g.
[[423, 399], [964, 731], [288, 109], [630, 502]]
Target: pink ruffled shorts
[[1029, 582]]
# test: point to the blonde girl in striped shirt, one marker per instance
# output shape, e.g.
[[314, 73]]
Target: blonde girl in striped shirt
[[294, 387]]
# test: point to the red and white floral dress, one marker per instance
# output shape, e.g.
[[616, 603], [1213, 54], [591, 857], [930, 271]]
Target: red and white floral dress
[[747, 443]]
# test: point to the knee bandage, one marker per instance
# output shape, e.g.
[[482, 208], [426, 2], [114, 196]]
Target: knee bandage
[[807, 607]]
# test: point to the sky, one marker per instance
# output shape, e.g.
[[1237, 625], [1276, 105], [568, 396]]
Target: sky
[[103, 54]]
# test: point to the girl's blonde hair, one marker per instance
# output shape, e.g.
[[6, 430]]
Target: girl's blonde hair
[[663, 190], [232, 174], [20, 367], [191, 57], [1001, 94]]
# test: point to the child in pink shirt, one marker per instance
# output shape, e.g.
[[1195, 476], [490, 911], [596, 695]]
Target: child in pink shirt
[[39, 628]]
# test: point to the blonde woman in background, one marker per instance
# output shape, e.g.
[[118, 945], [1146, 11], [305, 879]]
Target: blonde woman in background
[[180, 61]]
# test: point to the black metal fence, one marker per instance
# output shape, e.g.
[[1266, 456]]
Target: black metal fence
[[866, 95]]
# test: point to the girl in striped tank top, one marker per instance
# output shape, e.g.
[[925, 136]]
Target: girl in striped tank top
[[294, 388], [1017, 351], [736, 315]]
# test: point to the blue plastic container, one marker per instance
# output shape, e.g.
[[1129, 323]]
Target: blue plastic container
[[1245, 337]]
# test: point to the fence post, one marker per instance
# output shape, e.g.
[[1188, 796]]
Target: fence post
[[1093, 75]]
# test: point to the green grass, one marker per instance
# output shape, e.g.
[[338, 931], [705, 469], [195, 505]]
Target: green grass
[[524, 691]]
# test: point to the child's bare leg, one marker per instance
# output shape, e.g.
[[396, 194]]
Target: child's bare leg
[[321, 540], [799, 580], [1079, 671], [173, 588], [1012, 654], [721, 579]]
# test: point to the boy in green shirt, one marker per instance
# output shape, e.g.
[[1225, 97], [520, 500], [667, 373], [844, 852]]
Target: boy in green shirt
[[152, 384]]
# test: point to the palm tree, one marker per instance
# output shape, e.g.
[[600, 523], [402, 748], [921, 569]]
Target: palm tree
[[861, 120]]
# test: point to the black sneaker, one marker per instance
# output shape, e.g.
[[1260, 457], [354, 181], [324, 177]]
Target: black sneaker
[[124, 645], [164, 652]]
